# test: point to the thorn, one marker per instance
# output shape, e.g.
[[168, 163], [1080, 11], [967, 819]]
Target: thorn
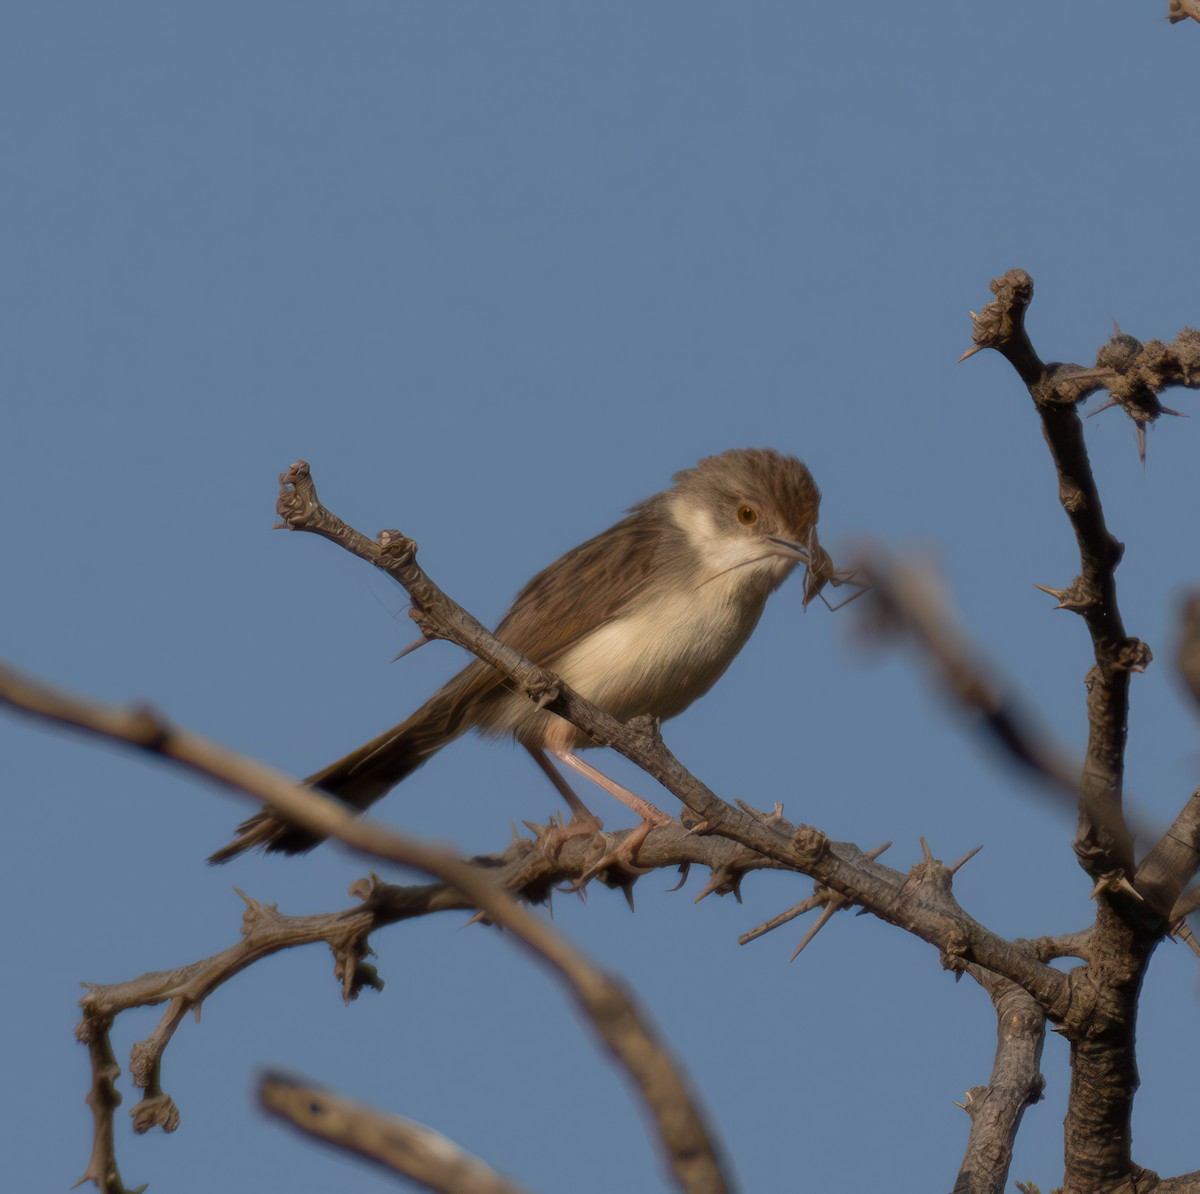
[[412, 647], [1116, 881], [750, 810], [969, 353], [875, 853], [926, 851], [684, 869], [474, 920], [1116, 328], [974, 317], [1092, 413], [627, 888], [1166, 410], [817, 925], [700, 827], [965, 859], [1057, 594], [816, 900]]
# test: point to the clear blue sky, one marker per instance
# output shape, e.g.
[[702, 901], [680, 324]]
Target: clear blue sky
[[498, 271]]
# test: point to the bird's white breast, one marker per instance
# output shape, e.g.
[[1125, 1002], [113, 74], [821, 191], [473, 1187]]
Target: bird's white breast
[[672, 644]]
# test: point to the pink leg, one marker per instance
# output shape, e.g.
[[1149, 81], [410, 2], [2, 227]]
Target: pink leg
[[577, 807], [643, 808]]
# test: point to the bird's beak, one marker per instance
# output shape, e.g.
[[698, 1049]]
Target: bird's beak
[[788, 549], [818, 567]]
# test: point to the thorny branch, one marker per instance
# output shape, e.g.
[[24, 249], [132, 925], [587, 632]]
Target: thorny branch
[[920, 902], [687, 1142], [1129, 921]]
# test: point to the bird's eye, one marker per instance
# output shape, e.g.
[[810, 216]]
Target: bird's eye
[[747, 515]]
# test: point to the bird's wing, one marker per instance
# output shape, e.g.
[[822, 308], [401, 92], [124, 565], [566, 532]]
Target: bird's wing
[[579, 592], [559, 606]]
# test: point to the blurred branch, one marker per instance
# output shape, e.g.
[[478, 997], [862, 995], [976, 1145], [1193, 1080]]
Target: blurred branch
[[1016, 1082], [908, 600], [1183, 10], [1187, 654], [1172, 863], [398, 1144], [617, 1020]]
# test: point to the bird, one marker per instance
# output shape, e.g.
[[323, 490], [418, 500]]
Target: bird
[[642, 619]]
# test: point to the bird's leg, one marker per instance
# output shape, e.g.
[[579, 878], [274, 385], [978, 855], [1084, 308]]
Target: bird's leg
[[643, 808], [621, 862], [579, 810]]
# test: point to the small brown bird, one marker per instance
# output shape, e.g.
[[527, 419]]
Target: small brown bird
[[642, 619]]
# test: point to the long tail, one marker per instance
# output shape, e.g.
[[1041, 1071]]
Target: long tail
[[371, 771]]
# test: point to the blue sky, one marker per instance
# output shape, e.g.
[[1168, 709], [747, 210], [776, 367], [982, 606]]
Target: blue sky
[[498, 271]]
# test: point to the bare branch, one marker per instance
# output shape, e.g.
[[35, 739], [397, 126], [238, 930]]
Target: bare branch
[[612, 1011], [397, 1144], [1183, 10], [1173, 862], [935, 916], [104, 1099], [1187, 655], [1103, 844], [821, 897], [1015, 1083], [1187, 903]]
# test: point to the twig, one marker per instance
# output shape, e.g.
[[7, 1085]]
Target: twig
[[631, 1040], [397, 1144]]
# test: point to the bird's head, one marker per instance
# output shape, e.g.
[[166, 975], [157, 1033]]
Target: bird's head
[[749, 510]]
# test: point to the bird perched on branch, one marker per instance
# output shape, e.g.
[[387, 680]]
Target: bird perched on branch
[[642, 619]]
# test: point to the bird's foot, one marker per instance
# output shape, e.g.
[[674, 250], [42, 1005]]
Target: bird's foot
[[618, 867]]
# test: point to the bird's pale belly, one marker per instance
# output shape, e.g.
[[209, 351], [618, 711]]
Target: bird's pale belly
[[657, 662]]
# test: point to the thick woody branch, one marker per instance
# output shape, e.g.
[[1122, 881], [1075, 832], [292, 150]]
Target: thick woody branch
[[1103, 845], [1016, 1082], [921, 904], [397, 1144], [1104, 1078]]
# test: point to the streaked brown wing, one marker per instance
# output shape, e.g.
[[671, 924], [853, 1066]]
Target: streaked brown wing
[[590, 585], [558, 607]]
